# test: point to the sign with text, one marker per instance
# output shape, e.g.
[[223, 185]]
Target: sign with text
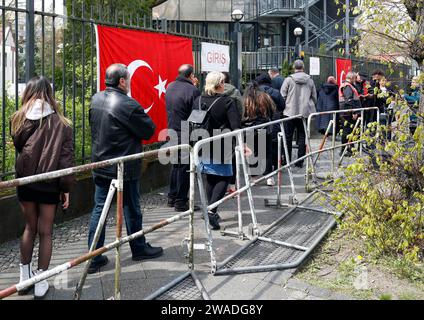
[[314, 69], [215, 57]]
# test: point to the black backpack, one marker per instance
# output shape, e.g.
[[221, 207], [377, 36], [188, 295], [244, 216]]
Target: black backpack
[[199, 118]]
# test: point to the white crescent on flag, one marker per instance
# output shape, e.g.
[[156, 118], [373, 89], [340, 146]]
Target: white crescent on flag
[[132, 68]]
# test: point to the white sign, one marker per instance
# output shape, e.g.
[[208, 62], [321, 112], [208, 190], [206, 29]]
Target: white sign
[[314, 66], [215, 57]]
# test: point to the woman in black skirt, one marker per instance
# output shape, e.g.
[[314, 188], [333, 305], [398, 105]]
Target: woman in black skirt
[[44, 141]]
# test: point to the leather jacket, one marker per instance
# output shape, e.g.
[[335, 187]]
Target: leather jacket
[[118, 124]]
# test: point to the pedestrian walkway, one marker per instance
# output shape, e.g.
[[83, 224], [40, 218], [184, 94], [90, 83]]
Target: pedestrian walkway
[[140, 279]]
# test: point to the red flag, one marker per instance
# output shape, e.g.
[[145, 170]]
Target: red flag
[[153, 60], [343, 66]]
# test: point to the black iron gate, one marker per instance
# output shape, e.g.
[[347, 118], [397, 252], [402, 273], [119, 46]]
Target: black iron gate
[[56, 38]]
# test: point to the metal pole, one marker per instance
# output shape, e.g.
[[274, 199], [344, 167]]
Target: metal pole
[[324, 139], [280, 173], [99, 229], [30, 41], [307, 24], [286, 152], [119, 218], [206, 217], [308, 143], [349, 141], [238, 183], [247, 181], [191, 208]]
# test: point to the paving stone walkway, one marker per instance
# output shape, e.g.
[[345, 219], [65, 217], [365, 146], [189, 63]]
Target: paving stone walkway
[[140, 279]]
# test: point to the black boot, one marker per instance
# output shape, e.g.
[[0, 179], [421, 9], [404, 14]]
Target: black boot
[[213, 220], [148, 252]]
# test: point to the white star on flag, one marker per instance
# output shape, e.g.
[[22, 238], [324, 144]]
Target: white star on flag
[[161, 86]]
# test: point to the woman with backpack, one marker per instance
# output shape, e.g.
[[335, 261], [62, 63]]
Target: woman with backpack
[[223, 116], [44, 141]]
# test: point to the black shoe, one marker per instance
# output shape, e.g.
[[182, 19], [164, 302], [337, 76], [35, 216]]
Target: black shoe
[[213, 221], [171, 203], [95, 266], [185, 208], [148, 252], [219, 217]]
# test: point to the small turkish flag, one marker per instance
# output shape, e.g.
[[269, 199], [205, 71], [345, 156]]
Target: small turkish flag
[[152, 59]]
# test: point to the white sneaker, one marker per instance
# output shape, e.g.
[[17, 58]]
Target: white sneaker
[[41, 288], [25, 274], [270, 182]]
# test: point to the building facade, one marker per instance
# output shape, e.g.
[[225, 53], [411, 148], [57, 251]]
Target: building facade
[[266, 23]]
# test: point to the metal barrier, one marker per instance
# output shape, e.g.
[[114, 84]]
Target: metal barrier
[[324, 223], [332, 125], [248, 184], [118, 186]]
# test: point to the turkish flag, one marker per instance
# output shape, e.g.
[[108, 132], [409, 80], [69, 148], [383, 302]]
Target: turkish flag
[[343, 66], [152, 59]]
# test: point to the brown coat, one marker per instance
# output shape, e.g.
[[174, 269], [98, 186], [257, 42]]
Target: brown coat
[[45, 148]]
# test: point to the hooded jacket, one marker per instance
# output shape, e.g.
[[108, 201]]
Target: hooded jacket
[[299, 92], [44, 143], [233, 92], [328, 100], [264, 82]]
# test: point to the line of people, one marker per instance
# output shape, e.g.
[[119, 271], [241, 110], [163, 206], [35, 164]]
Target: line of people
[[43, 139]]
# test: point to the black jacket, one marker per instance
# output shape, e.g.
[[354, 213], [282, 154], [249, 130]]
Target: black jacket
[[180, 95], [223, 115], [118, 124], [275, 95], [265, 84], [277, 82], [328, 100]]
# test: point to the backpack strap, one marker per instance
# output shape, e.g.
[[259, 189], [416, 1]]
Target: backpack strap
[[212, 104]]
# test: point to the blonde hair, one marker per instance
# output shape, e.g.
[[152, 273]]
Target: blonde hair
[[38, 88], [213, 80]]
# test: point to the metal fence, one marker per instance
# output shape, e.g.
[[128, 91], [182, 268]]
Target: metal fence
[[255, 63], [56, 38]]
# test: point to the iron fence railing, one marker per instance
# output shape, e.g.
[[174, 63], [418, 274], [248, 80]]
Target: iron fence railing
[[282, 57], [56, 38]]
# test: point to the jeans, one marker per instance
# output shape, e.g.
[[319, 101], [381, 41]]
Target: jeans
[[179, 184], [289, 127], [132, 213]]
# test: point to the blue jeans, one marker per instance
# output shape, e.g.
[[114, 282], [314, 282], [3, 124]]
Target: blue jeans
[[132, 212]]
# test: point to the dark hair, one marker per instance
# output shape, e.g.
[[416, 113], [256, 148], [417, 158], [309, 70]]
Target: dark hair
[[114, 73], [263, 78], [227, 77], [378, 72], [257, 103], [186, 70]]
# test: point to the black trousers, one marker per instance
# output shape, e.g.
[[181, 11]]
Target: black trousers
[[216, 186], [179, 184], [348, 124], [289, 127]]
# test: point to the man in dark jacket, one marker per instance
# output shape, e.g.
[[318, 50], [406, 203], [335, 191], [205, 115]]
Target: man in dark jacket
[[265, 84], [118, 124], [180, 96], [276, 79]]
